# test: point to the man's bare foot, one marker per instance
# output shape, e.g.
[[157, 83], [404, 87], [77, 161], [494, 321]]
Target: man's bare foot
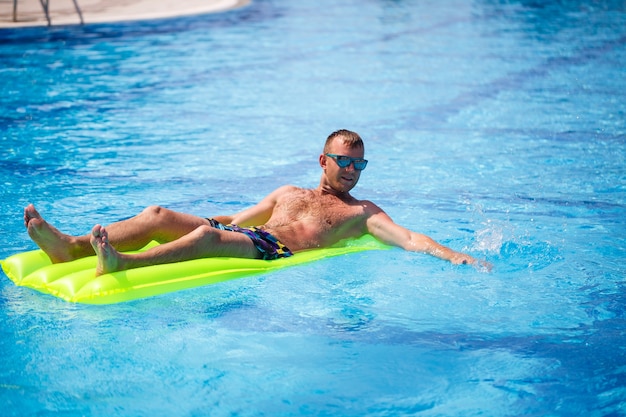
[[58, 246], [109, 260]]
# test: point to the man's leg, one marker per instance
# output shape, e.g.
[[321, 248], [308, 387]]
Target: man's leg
[[203, 242], [154, 223]]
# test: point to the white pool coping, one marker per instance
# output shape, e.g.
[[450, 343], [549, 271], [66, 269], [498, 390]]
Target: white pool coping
[[63, 12]]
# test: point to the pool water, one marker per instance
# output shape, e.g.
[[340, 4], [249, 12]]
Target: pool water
[[496, 127]]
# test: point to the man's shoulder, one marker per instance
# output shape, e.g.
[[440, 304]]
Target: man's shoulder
[[369, 206], [285, 189]]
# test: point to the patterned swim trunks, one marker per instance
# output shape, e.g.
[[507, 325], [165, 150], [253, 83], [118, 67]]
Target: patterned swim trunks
[[269, 247]]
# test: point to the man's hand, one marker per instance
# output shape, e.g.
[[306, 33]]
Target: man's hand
[[463, 259]]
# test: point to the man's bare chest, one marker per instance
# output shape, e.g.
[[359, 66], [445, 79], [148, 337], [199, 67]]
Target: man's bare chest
[[325, 209]]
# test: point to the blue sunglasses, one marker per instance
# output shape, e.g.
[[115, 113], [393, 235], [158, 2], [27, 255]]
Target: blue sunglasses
[[345, 161]]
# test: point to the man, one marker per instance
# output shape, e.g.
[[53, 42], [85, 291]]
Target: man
[[291, 218]]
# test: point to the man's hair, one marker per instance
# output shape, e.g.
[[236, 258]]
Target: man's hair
[[349, 138]]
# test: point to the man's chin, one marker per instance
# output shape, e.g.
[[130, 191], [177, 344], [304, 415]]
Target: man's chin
[[347, 185]]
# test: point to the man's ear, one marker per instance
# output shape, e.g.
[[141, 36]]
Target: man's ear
[[323, 160]]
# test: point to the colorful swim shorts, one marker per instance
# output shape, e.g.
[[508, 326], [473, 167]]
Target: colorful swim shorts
[[269, 247]]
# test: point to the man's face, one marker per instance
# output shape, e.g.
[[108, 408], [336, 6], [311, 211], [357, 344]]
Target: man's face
[[342, 179]]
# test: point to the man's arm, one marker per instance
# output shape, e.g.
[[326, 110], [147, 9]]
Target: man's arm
[[380, 225], [258, 214]]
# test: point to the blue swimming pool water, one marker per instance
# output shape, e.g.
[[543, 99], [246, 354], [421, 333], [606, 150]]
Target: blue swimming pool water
[[496, 127]]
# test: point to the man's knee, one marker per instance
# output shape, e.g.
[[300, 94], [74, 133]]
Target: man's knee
[[155, 212], [207, 234]]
